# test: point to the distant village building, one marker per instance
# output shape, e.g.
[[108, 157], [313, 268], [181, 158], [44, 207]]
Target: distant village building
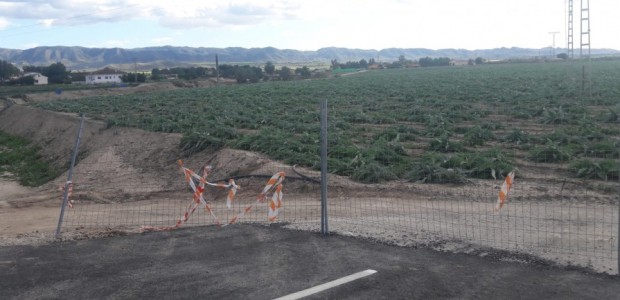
[[39, 79], [106, 75]]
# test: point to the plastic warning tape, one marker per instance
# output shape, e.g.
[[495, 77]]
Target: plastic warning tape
[[274, 184], [503, 192], [275, 203], [69, 186]]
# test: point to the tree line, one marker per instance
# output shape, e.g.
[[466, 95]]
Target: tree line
[[57, 72], [241, 73]]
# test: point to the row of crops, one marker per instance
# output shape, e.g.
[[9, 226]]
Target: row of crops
[[426, 124]]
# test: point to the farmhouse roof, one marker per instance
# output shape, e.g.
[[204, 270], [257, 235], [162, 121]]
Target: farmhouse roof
[[33, 74]]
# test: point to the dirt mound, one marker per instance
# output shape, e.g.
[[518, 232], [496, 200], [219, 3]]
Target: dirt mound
[[117, 163]]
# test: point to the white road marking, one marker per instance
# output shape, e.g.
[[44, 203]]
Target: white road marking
[[328, 285]]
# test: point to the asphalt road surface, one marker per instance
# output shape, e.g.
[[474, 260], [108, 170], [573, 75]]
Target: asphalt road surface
[[258, 262]]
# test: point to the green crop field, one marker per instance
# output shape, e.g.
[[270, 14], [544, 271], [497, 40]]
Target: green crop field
[[424, 124]]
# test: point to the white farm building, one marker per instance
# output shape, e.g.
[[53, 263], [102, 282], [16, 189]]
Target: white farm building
[[38, 78], [106, 75]]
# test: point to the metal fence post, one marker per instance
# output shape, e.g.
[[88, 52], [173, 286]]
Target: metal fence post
[[324, 226], [65, 197]]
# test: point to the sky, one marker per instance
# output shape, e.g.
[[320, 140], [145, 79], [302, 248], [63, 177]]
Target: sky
[[303, 24]]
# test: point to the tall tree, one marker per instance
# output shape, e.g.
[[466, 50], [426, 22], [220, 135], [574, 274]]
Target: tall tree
[[270, 68], [7, 70], [286, 73], [303, 72], [56, 73], [132, 77]]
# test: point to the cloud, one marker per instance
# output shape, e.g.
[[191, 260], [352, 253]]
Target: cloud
[[117, 43], [4, 23], [162, 40], [70, 12], [172, 14], [231, 14], [30, 45], [46, 23]]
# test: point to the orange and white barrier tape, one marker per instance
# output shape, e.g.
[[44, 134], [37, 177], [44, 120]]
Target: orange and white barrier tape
[[503, 193], [275, 204], [69, 186], [275, 182]]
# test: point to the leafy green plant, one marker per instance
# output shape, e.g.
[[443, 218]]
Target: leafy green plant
[[612, 115], [517, 136], [549, 153], [488, 164], [444, 144], [372, 172], [477, 136], [555, 116], [607, 169], [429, 169], [438, 125], [604, 149]]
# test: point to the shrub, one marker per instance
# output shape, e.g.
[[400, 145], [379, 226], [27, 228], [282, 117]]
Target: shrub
[[438, 125], [549, 153], [443, 144], [607, 169], [429, 169], [486, 165], [517, 136], [612, 115], [372, 172], [604, 149], [555, 116], [477, 136]]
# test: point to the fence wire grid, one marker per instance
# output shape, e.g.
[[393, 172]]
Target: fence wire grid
[[437, 199]]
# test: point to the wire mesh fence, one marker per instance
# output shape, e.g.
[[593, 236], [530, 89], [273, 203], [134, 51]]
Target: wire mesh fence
[[556, 210], [113, 190], [414, 157], [427, 179], [580, 229]]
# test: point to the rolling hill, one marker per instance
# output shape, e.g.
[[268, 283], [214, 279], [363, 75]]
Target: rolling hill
[[77, 58]]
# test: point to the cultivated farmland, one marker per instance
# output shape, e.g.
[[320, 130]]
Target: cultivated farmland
[[422, 153], [423, 125]]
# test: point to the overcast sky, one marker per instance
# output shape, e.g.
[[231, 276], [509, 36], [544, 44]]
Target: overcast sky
[[302, 24]]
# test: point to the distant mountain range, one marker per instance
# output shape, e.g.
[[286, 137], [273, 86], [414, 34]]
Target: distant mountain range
[[81, 58]]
